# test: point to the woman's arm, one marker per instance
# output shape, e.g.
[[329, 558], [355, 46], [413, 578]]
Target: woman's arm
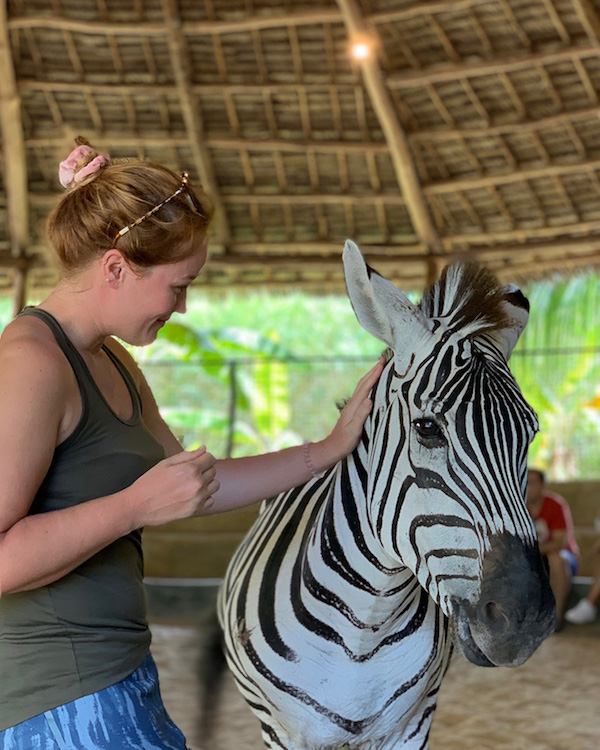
[[39, 549], [247, 480]]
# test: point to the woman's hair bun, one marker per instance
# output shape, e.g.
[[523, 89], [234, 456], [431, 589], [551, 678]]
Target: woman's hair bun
[[80, 164]]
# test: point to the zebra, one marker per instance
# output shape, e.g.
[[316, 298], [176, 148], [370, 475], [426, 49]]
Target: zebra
[[341, 606]]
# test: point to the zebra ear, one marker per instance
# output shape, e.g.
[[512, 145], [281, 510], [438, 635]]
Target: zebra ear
[[380, 307], [516, 306]]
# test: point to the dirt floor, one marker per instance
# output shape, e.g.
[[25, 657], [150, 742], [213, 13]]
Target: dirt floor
[[550, 703]]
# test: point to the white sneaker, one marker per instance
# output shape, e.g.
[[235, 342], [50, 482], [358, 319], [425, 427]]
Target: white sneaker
[[582, 613]]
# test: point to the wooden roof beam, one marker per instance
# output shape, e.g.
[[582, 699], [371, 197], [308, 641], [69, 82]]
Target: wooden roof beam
[[424, 134], [542, 267], [291, 254], [254, 23], [19, 264], [521, 175], [520, 237], [405, 78], [522, 126], [417, 9], [407, 281], [589, 19], [507, 269], [192, 117], [330, 253], [510, 262], [310, 199], [204, 28], [397, 141], [500, 65], [150, 89], [271, 144]]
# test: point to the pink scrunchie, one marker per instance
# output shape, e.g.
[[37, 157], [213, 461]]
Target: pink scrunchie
[[66, 170]]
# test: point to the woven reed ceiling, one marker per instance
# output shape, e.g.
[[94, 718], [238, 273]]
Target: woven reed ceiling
[[473, 130]]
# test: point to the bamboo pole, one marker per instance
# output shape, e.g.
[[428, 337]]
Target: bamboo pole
[[14, 160]]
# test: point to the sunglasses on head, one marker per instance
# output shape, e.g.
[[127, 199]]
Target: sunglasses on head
[[194, 205]]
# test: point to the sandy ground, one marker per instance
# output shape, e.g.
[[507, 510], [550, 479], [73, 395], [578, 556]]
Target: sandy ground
[[550, 703]]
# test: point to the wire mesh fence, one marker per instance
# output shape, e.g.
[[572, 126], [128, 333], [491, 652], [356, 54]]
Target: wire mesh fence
[[246, 406], [253, 405]]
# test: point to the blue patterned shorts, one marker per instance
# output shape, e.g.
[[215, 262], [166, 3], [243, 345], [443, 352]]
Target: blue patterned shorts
[[127, 716]]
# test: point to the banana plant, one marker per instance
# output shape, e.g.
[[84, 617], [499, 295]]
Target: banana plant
[[556, 364]]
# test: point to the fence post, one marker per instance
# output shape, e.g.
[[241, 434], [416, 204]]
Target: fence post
[[232, 407]]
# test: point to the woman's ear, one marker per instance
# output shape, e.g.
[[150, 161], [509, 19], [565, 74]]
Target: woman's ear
[[113, 265]]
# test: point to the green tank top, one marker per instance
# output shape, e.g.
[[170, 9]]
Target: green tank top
[[88, 630]]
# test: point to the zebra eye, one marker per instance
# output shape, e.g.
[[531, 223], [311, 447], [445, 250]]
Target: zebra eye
[[429, 433]]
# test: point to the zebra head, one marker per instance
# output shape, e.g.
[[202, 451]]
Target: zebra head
[[448, 440]]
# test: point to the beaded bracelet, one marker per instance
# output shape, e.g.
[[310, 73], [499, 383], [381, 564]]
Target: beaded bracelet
[[308, 461]]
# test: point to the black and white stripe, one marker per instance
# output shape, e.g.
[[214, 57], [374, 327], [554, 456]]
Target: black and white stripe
[[340, 607]]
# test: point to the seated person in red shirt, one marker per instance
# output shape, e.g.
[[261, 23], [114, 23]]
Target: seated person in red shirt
[[554, 525]]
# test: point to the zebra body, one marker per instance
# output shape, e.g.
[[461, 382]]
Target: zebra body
[[340, 607]]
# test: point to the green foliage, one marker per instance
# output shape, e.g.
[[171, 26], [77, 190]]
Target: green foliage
[[261, 392], [270, 405], [6, 311], [308, 325], [557, 365]]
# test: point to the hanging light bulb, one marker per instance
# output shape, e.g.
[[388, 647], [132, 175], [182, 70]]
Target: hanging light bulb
[[361, 48]]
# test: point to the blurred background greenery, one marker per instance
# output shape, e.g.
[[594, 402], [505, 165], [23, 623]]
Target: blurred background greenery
[[250, 372]]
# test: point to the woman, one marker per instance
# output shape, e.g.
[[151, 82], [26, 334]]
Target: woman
[[87, 461]]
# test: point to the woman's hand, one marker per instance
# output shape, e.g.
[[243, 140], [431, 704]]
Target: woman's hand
[[177, 487], [344, 437]]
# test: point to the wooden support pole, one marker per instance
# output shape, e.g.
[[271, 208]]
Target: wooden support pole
[[397, 141], [13, 148], [20, 290]]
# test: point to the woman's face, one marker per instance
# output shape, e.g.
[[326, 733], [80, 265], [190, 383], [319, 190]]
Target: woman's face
[[155, 294]]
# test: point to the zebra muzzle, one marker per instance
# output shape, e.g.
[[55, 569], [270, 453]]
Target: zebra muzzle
[[515, 611]]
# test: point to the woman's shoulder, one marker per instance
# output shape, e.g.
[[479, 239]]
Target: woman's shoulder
[[27, 345]]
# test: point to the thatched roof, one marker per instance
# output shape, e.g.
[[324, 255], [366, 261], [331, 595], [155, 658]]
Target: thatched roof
[[474, 128]]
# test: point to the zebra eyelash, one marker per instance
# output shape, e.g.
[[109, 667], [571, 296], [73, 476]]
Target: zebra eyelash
[[429, 433]]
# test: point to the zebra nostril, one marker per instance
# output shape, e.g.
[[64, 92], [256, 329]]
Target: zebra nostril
[[495, 617]]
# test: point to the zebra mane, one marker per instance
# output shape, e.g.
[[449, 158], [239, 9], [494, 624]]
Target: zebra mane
[[469, 296]]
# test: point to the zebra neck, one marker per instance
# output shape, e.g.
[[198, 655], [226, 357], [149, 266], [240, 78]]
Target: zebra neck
[[343, 562]]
